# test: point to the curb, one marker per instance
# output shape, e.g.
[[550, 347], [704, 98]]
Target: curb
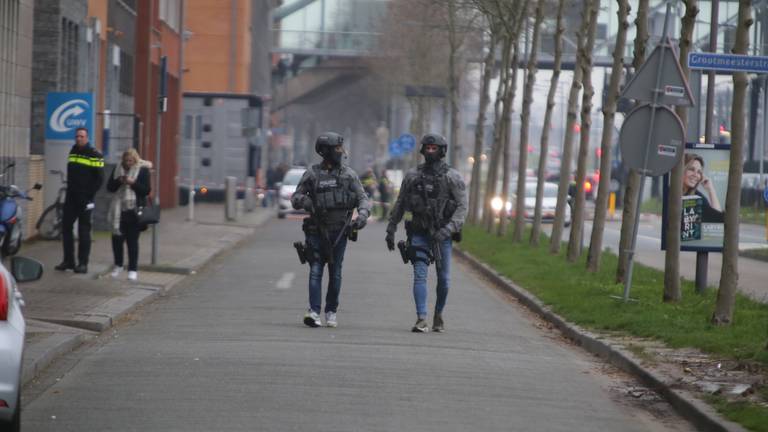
[[44, 353], [701, 415]]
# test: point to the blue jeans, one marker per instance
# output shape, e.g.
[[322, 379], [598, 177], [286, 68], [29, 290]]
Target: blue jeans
[[334, 273], [420, 270]]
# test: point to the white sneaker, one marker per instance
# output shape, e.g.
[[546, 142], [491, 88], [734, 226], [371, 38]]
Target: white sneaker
[[116, 272], [133, 276], [330, 319], [312, 319]]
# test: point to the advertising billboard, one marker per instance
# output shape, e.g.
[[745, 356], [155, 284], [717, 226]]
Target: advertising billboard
[[705, 182]]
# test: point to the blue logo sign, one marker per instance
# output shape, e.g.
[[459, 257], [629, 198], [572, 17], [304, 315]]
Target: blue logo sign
[[407, 142], [395, 150], [66, 112], [765, 194], [728, 62]]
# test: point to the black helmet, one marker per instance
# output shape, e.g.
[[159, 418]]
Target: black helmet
[[326, 141], [434, 139], [325, 145]]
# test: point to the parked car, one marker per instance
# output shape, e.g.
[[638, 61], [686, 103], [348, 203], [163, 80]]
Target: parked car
[[286, 188], [548, 204], [12, 330]]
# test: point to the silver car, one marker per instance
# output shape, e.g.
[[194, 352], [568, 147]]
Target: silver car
[[286, 189], [12, 329]]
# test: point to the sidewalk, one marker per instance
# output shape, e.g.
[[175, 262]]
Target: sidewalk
[[65, 309]]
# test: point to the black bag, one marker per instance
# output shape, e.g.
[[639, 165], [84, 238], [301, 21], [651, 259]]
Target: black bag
[[148, 214]]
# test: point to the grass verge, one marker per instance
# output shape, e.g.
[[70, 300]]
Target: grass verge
[[584, 298]]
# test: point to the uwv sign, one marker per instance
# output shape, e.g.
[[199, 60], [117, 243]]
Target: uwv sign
[[66, 112]]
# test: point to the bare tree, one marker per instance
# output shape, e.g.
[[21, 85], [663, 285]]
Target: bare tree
[[729, 276], [609, 114], [632, 187], [544, 143], [520, 19], [525, 119], [577, 226], [488, 66], [672, 291], [494, 160], [565, 158]]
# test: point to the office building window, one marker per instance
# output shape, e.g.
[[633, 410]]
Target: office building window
[[169, 12], [126, 73]]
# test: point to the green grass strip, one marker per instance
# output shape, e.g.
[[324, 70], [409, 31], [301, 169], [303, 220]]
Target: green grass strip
[[585, 298]]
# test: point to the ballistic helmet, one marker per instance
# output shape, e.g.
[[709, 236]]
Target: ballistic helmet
[[326, 141], [434, 139]]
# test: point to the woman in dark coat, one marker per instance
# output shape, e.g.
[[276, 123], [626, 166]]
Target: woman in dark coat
[[130, 184]]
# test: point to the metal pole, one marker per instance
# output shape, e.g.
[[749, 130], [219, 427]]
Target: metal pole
[[762, 147], [702, 258], [654, 104], [193, 149], [162, 105]]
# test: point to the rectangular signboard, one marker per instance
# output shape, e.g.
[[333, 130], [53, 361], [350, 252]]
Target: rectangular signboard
[[705, 182], [65, 112], [728, 62]]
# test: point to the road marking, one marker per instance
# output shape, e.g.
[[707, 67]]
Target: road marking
[[286, 281]]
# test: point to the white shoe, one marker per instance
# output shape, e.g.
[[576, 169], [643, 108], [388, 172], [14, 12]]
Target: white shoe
[[116, 272], [330, 319], [132, 276], [312, 319]]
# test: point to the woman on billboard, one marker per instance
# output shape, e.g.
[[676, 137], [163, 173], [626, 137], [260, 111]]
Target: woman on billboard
[[693, 180]]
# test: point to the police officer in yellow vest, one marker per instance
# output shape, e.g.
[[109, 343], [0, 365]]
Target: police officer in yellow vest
[[85, 174]]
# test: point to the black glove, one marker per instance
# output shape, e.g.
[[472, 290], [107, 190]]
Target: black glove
[[390, 239], [443, 234], [307, 204], [359, 222]]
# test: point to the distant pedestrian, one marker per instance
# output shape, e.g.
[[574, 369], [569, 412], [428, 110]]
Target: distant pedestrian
[[385, 194], [368, 179], [85, 174], [130, 184], [436, 196]]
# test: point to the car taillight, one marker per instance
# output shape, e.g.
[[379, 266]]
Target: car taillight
[[587, 186], [4, 295]]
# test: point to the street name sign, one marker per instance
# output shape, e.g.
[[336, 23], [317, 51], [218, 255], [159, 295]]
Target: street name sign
[[672, 87], [728, 62], [663, 151]]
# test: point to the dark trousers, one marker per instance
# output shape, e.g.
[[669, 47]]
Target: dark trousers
[[76, 211], [130, 231]]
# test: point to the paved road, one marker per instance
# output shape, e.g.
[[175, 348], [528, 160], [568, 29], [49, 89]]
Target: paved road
[[752, 273], [226, 351]]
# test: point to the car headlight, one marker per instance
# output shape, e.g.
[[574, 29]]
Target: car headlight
[[496, 204]]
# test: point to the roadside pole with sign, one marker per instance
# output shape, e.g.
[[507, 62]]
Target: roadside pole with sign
[[652, 136], [738, 63]]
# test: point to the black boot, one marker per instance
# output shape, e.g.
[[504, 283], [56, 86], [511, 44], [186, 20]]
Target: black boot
[[64, 266], [81, 268]]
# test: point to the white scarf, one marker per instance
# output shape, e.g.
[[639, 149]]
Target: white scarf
[[125, 197]]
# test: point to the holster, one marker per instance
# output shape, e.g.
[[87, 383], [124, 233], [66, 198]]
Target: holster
[[403, 247], [305, 253]]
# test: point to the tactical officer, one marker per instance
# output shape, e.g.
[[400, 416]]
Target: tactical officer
[[435, 194], [330, 192], [85, 173]]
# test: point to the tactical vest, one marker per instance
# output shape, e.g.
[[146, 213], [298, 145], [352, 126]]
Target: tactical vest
[[333, 192], [430, 200]]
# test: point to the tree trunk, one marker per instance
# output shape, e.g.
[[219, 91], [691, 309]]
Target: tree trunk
[[544, 143], [493, 162], [632, 186], [609, 114], [455, 42], [729, 276], [521, 17], [565, 158], [575, 243], [474, 192], [525, 119], [672, 289]]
